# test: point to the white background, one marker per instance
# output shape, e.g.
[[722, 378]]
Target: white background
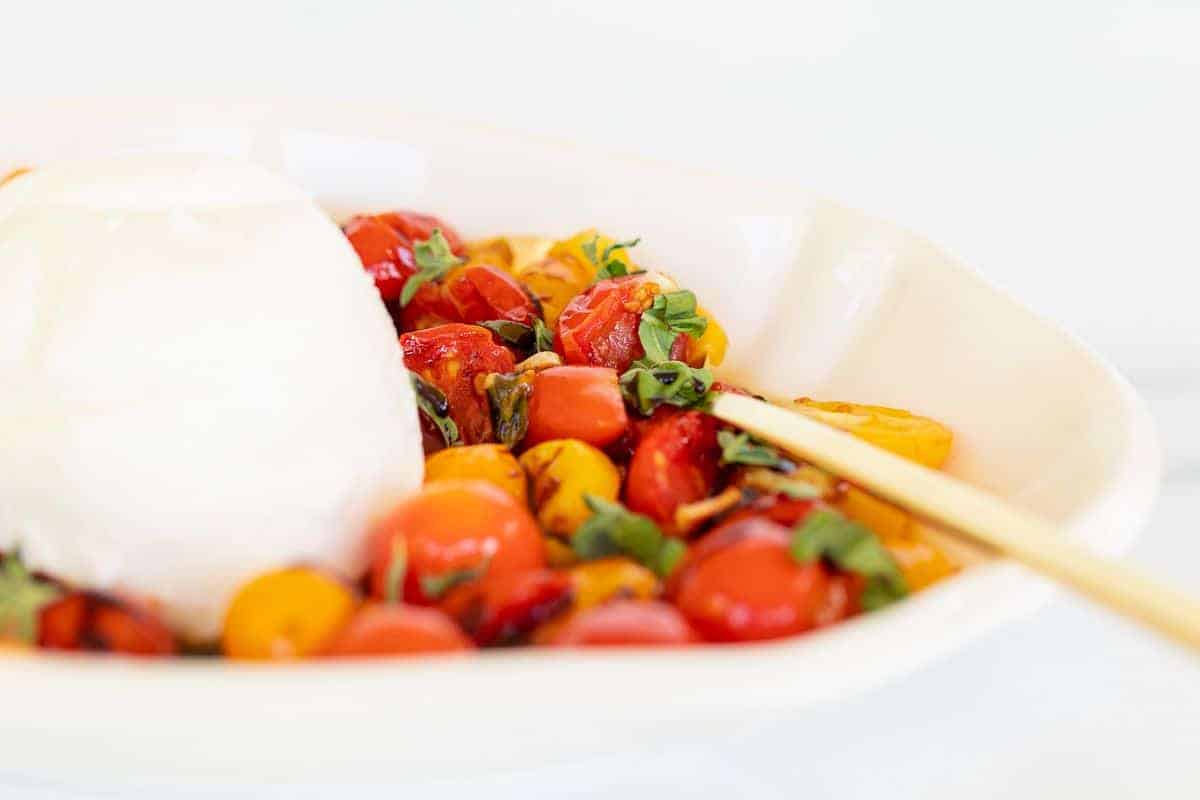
[[1054, 146]]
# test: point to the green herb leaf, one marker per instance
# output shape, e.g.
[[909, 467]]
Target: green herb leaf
[[670, 314], [850, 547], [513, 333], [22, 598], [607, 266], [397, 571], [434, 259], [434, 586], [543, 337], [508, 396], [434, 405], [769, 482], [614, 530], [741, 448], [646, 387]]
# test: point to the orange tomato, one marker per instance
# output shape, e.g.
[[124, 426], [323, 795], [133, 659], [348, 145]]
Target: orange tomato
[[449, 532], [576, 403], [485, 462], [288, 613], [380, 630], [626, 623]]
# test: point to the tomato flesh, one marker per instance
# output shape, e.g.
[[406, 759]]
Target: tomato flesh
[[451, 357], [393, 629], [600, 327], [676, 461], [576, 402], [627, 623]]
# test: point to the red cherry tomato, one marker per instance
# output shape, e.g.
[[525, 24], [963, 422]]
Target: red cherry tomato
[[91, 621], [418, 227], [750, 588], [502, 608], [627, 622], [482, 293], [600, 326], [451, 357], [576, 403], [428, 308], [393, 629], [452, 528], [675, 462], [385, 253]]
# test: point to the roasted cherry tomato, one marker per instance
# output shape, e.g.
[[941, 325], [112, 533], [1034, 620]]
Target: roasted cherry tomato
[[576, 403], [385, 253], [379, 629], [596, 582], [502, 608], [482, 293], [675, 462], [485, 462], [451, 357], [93, 621], [419, 227], [285, 614], [626, 623], [600, 327], [450, 532], [746, 586]]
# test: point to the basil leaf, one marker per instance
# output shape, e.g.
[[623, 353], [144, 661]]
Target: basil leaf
[[397, 571], [850, 547], [434, 259], [434, 586], [646, 387], [508, 396], [22, 598], [513, 333], [543, 337], [435, 406], [614, 530], [607, 266], [671, 314], [740, 448]]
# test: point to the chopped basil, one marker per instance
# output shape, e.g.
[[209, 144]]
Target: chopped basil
[[741, 448], [668, 316], [434, 259], [434, 586], [543, 337], [434, 405], [607, 266], [646, 387], [614, 530], [851, 547], [769, 482], [393, 587], [513, 333], [508, 396], [22, 598]]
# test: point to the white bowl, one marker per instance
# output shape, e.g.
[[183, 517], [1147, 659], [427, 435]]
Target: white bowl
[[818, 300]]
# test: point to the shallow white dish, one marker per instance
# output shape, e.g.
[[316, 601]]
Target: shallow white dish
[[818, 300]]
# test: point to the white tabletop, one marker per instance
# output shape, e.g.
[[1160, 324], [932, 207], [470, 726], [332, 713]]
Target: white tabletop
[[1053, 146]]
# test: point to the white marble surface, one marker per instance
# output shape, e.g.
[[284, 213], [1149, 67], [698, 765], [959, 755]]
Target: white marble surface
[[1053, 146]]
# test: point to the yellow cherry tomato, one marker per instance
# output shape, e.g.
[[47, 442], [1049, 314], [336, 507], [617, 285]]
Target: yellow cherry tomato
[[486, 462], [709, 349], [561, 472], [511, 253], [596, 582], [572, 248], [918, 439], [555, 282], [921, 562], [288, 613]]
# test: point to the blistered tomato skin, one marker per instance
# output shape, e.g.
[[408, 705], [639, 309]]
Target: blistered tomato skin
[[749, 588], [576, 402], [675, 462], [92, 621], [483, 293], [419, 227], [626, 623], [379, 629], [599, 328], [451, 527], [451, 357], [386, 254], [503, 609]]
